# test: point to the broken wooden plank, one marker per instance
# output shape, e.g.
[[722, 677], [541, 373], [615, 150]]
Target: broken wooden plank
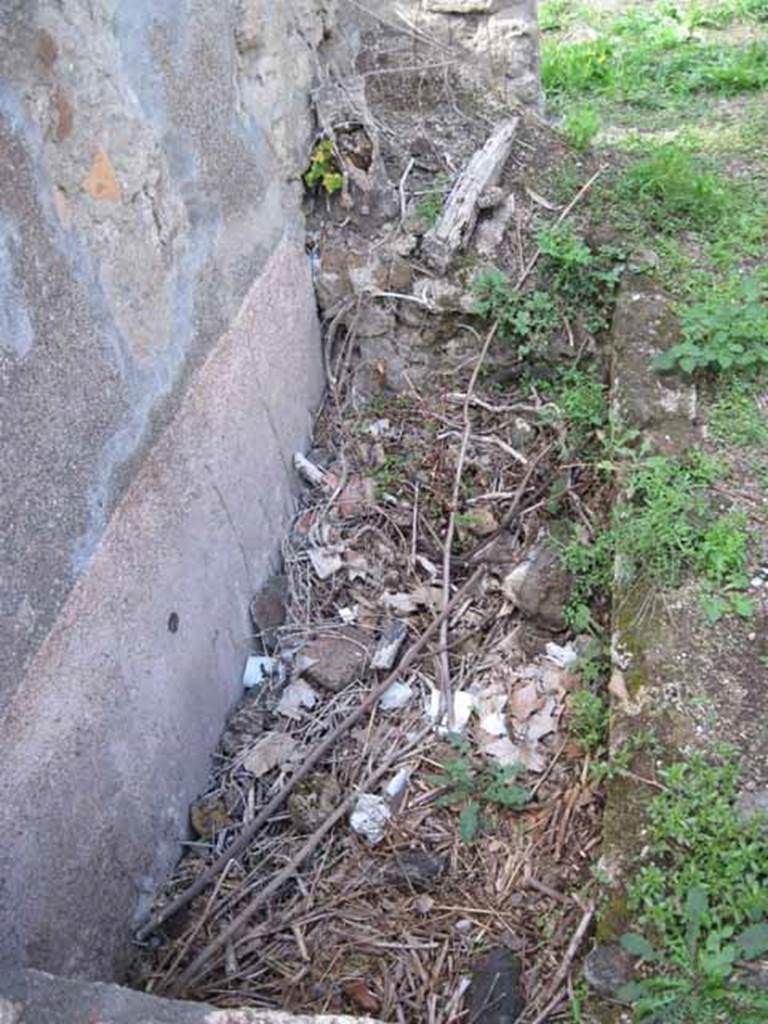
[[457, 221]]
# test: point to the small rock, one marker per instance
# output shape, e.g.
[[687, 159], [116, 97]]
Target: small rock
[[607, 968], [482, 522], [269, 608], [540, 587], [413, 869], [495, 994], [313, 800], [501, 550], [210, 814], [491, 198], [751, 804], [359, 994], [337, 660]]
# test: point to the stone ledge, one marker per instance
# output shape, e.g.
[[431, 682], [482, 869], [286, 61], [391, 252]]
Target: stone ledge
[[33, 997]]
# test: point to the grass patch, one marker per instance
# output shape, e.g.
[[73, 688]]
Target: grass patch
[[674, 188], [701, 899], [736, 417], [648, 61], [580, 127], [662, 533]]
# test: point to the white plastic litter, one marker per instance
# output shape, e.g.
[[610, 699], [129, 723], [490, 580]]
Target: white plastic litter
[[463, 703], [258, 670], [370, 816], [396, 785], [564, 656], [396, 696]]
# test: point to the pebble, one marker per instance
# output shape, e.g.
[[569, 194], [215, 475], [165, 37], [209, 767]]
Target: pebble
[[495, 994], [607, 968]]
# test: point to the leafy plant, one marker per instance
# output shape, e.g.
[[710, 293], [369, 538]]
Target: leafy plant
[[583, 281], [471, 786], [580, 127], [323, 168], [701, 900], [589, 720], [659, 529], [620, 762], [724, 331], [526, 319], [579, 401]]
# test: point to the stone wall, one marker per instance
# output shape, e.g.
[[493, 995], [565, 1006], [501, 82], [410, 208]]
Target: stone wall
[[159, 360], [500, 36]]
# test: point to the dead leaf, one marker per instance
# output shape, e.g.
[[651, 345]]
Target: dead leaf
[[543, 722], [358, 993], [325, 562], [490, 711], [209, 815], [296, 695], [359, 494], [524, 701], [618, 687], [506, 753], [357, 565], [428, 566], [553, 680], [482, 522], [400, 604], [540, 200], [269, 751]]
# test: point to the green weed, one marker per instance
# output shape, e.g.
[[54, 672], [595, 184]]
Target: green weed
[[619, 764], [526, 319], [580, 400], [736, 417], [674, 188], [323, 168], [583, 281], [701, 899], [589, 721], [664, 531], [430, 206], [471, 787], [580, 127]]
